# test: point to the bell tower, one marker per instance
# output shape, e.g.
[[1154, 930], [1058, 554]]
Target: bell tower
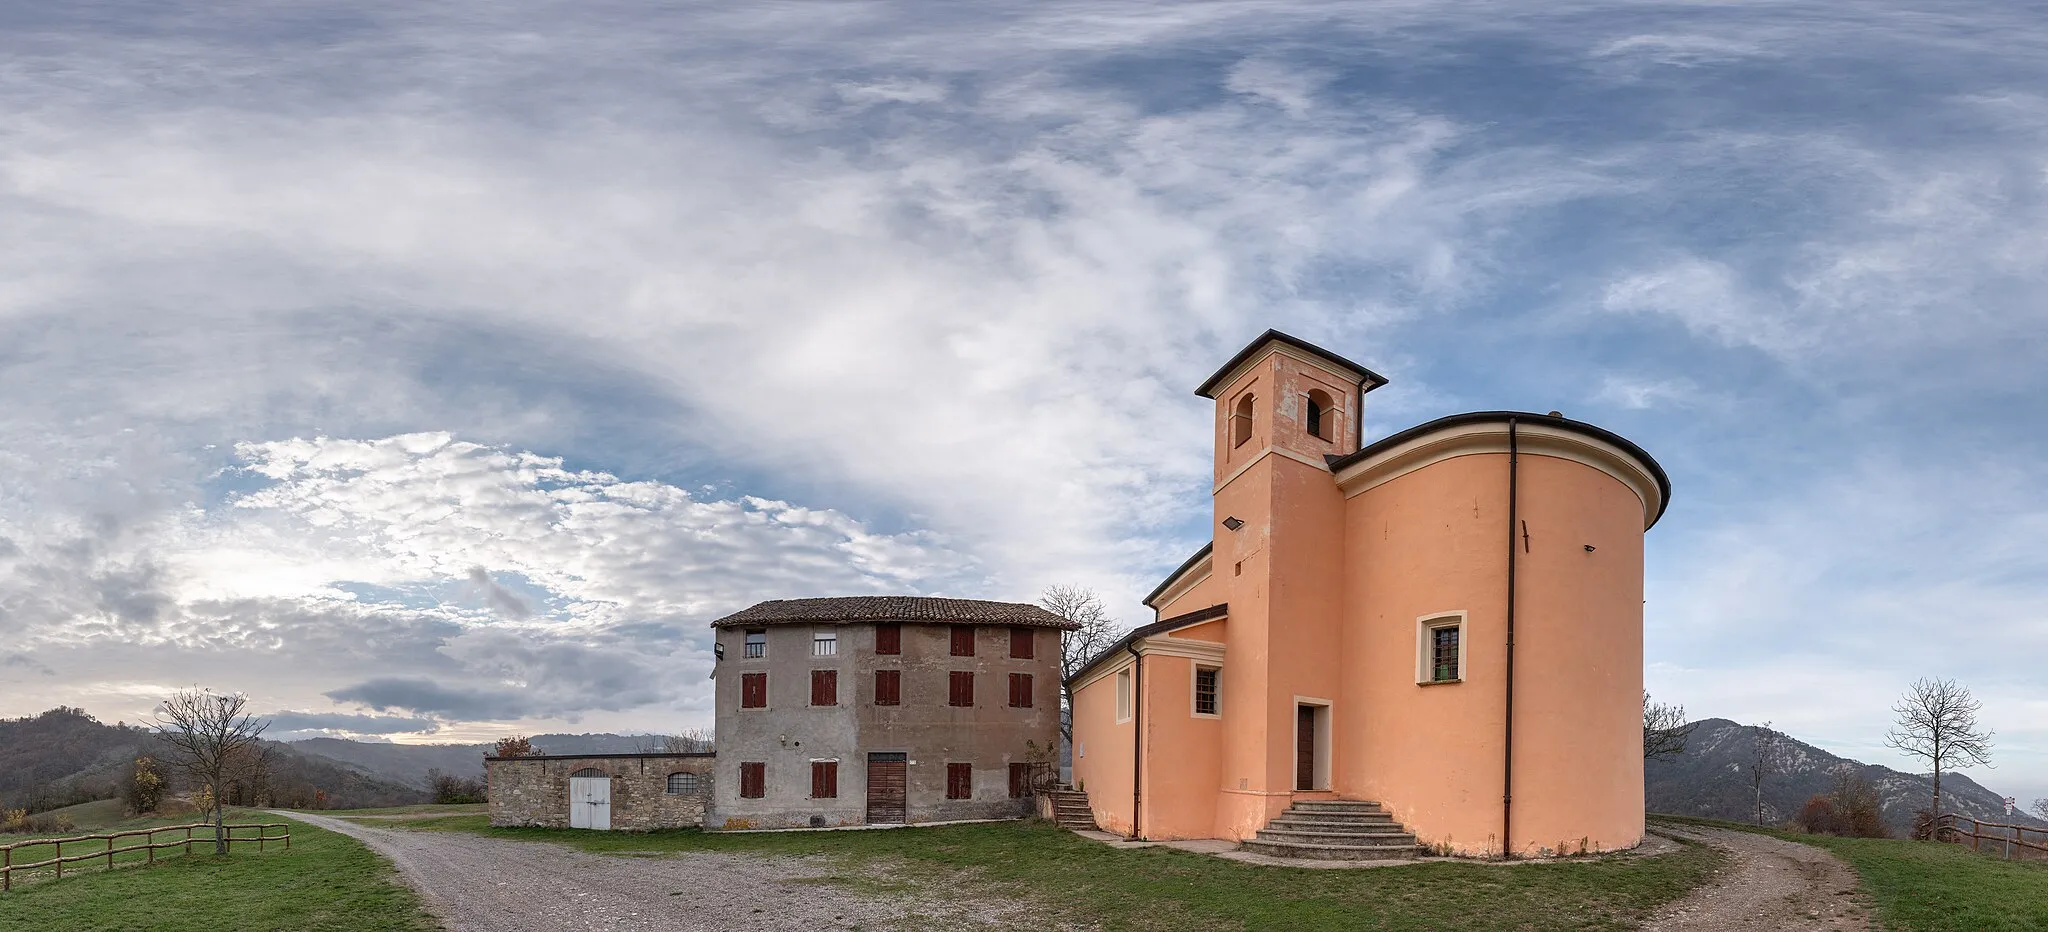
[[1284, 407]]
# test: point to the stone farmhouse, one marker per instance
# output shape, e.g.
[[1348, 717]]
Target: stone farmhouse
[[883, 709], [1433, 637]]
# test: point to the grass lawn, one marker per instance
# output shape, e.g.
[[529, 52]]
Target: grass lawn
[[1917, 885], [89, 817], [1160, 888], [326, 881]]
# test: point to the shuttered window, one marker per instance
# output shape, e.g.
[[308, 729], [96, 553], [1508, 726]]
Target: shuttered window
[[753, 690], [824, 687], [888, 687], [1020, 781], [963, 641], [753, 780], [1022, 644], [824, 779], [959, 781], [961, 688], [1020, 690], [888, 639]]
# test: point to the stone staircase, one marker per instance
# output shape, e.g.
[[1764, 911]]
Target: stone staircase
[[1070, 809], [1334, 830]]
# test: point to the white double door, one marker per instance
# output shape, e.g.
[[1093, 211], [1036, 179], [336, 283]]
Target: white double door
[[590, 803]]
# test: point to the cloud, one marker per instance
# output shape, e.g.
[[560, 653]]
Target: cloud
[[502, 600], [1639, 394], [306, 724]]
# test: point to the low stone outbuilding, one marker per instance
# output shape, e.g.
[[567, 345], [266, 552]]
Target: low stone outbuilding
[[630, 792]]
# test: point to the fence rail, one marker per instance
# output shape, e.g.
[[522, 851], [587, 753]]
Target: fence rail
[[149, 846], [2010, 838]]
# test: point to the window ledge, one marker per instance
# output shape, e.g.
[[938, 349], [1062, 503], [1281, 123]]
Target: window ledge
[[1440, 682]]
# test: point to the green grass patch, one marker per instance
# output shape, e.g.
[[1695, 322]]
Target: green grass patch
[[1933, 886], [326, 881], [90, 816], [1073, 878]]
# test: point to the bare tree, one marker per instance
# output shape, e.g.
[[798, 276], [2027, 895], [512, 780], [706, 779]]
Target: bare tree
[[1096, 633], [2041, 808], [1938, 724], [1767, 757], [207, 732], [1665, 730], [687, 741]]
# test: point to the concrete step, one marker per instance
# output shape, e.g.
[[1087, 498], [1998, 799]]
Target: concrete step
[[1336, 818], [1350, 839], [1336, 805], [1329, 852]]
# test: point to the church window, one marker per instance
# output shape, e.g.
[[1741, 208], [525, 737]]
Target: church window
[[1241, 421]]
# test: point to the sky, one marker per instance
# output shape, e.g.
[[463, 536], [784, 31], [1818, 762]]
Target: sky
[[437, 372]]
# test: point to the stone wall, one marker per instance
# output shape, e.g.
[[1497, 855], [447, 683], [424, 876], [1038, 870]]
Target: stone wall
[[534, 791]]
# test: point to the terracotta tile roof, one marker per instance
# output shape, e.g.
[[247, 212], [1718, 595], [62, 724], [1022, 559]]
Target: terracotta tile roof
[[856, 609]]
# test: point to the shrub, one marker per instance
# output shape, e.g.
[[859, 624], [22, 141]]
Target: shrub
[[449, 788], [514, 746]]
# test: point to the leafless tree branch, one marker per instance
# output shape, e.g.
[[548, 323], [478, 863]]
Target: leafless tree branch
[[208, 733], [1768, 756], [1938, 723], [1096, 633], [1665, 730]]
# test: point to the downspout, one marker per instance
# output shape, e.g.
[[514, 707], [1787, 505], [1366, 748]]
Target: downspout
[[1137, 731], [1507, 794]]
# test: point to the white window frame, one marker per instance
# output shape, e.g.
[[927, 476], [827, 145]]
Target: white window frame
[[1123, 696], [825, 643], [745, 643], [1195, 690], [1424, 625]]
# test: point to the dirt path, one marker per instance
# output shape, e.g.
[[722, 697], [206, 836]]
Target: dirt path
[[477, 884], [1768, 884]]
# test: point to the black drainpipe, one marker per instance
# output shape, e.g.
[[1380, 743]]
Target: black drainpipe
[[1137, 730], [1507, 795]]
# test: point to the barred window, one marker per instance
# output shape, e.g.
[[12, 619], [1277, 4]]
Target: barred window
[[1205, 690], [682, 784], [1443, 654]]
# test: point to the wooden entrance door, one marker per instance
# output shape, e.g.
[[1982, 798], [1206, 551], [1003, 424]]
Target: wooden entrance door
[[590, 803], [887, 781], [1305, 747]]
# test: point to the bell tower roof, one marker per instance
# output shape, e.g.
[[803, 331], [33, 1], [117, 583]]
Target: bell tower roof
[[1275, 340]]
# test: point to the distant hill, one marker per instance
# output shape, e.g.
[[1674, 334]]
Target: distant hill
[[408, 763], [64, 756], [1712, 779]]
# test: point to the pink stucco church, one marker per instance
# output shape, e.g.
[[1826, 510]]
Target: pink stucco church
[[1432, 639]]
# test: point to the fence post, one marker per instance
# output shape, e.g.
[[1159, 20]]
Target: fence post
[[149, 845], [7, 869], [60, 860], [110, 852], [188, 839]]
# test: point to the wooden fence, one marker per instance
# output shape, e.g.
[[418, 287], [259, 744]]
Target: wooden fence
[[2010, 840], [149, 846]]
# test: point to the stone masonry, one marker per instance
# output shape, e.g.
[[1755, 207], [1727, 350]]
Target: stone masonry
[[534, 791]]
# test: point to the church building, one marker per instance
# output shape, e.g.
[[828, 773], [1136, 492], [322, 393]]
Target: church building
[[1433, 639]]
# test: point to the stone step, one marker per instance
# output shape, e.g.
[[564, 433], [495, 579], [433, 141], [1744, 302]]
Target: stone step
[[1337, 805], [1329, 852], [1337, 818], [1350, 839]]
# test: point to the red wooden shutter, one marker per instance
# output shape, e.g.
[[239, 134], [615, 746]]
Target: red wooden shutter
[[753, 780], [753, 690], [824, 687], [824, 779], [1022, 646], [1020, 780], [959, 781], [1020, 690], [961, 691], [888, 687], [889, 639], [963, 641]]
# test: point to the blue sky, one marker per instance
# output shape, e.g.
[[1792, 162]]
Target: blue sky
[[437, 372]]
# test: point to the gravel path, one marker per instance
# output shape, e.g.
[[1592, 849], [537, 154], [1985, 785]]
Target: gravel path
[[1768, 884], [477, 884]]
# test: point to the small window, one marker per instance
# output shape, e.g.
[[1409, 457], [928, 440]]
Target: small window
[[753, 779], [588, 772], [1023, 644], [824, 779], [959, 781], [888, 687], [1320, 422], [889, 639], [757, 644], [753, 690], [1205, 690], [963, 641], [960, 690], [825, 644], [1123, 696], [824, 687], [1020, 690], [1440, 649], [1241, 421], [682, 784]]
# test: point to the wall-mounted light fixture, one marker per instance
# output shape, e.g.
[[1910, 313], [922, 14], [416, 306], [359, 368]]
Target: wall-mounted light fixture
[[1589, 548], [1233, 522]]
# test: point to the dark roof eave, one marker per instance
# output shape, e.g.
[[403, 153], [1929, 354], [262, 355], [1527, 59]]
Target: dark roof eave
[[1370, 378], [1178, 572], [1219, 610], [623, 756], [1338, 463]]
